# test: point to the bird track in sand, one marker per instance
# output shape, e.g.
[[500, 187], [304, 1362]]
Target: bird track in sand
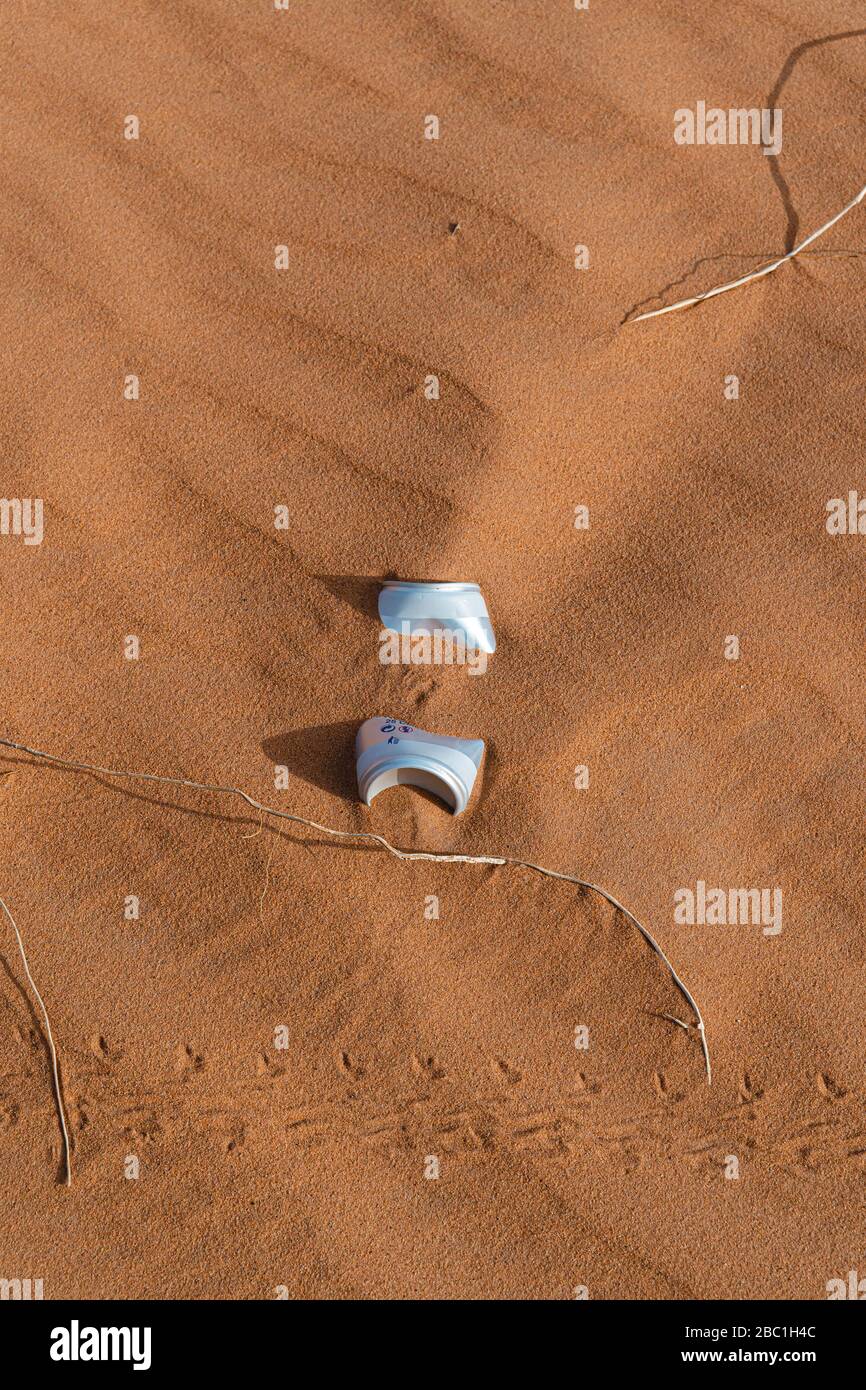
[[826, 1130]]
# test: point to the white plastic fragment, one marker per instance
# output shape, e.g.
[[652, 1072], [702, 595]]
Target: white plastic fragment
[[390, 753], [453, 606]]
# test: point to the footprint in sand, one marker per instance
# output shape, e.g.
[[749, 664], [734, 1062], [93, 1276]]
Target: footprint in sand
[[352, 1067], [144, 1128], [750, 1090], [8, 1116], [228, 1129], [584, 1086], [662, 1089], [28, 1037], [828, 1088], [102, 1051], [187, 1060], [80, 1117], [427, 1067], [503, 1071], [266, 1066], [418, 687]]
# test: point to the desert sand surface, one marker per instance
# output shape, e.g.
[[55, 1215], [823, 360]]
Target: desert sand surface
[[266, 1170]]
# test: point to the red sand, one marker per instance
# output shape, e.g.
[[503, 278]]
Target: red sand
[[408, 1037]]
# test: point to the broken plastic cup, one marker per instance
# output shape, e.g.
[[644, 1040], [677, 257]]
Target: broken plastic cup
[[455, 607], [390, 753]]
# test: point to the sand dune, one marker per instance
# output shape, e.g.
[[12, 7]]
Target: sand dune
[[304, 387]]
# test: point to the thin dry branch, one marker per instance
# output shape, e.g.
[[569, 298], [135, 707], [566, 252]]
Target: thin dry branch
[[754, 274], [437, 856], [58, 1089]]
